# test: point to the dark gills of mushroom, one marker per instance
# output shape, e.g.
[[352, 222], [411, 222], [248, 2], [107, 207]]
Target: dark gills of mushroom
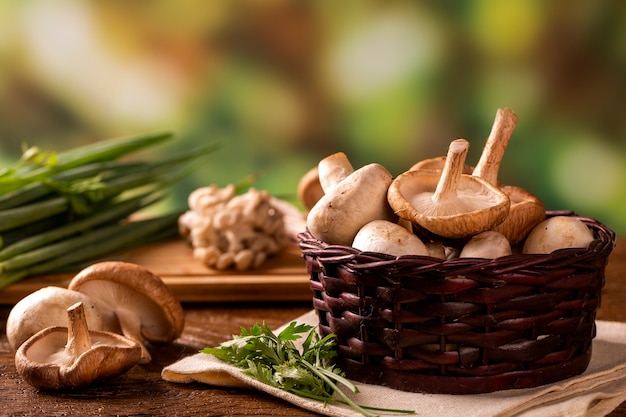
[[448, 203], [73, 356]]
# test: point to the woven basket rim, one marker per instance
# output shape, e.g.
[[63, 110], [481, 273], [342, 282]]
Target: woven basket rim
[[601, 246]]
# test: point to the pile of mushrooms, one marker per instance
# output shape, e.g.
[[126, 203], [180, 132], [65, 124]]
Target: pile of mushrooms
[[98, 327], [227, 230], [440, 207]]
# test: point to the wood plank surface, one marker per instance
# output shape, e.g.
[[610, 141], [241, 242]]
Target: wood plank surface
[[281, 278], [142, 391]]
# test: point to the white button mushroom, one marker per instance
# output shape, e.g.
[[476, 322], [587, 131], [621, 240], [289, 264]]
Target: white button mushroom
[[489, 245], [558, 232], [386, 237], [357, 200]]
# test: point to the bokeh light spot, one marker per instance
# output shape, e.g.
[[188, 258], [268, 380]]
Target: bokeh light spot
[[588, 174]]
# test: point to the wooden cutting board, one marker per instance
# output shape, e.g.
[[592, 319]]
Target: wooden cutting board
[[281, 278]]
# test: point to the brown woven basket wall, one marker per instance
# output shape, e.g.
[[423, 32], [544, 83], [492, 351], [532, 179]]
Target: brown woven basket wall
[[460, 326]]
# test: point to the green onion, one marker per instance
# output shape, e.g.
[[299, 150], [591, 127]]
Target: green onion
[[94, 244], [58, 211], [114, 212], [20, 216], [98, 152]]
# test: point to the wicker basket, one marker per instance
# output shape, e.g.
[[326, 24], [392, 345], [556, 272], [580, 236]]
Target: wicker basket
[[461, 326]]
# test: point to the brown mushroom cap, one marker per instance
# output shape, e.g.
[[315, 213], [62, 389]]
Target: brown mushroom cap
[[449, 203], [73, 357], [526, 211], [309, 189], [146, 308]]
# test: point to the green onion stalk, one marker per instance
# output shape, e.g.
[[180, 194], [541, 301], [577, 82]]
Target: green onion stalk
[[61, 211]]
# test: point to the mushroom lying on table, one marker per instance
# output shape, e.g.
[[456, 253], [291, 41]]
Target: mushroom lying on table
[[145, 307], [448, 203], [47, 307], [74, 356]]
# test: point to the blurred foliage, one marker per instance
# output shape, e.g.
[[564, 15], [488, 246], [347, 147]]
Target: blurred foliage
[[283, 83]]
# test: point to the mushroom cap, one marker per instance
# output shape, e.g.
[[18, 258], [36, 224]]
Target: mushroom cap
[[487, 245], [357, 200], [129, 288], [309, 189], [558, 232], [478, 205], [42, 363], [526, 212], [387, 237], [47, 307]]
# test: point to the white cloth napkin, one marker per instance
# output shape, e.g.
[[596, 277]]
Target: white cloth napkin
[[596, 392]]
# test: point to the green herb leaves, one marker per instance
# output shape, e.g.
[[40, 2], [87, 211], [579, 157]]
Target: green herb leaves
[[275, 360]]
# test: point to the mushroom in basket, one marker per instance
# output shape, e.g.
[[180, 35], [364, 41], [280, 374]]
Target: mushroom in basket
[[449, 203], [526, 210], [349, 204]]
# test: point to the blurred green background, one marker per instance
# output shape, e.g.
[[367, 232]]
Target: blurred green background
[[282, 84]]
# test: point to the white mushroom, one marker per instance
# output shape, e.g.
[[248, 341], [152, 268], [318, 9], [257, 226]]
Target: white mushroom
[[386, 237], [558, 232], [488, 245], [349, 205]]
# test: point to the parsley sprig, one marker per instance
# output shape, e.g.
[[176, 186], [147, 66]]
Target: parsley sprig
[[276, 361]]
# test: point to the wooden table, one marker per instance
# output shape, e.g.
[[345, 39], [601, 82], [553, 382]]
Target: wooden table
[[142, 392]]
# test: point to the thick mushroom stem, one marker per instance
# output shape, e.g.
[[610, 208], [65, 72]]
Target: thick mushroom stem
[[497, 142], [78, 340], [452, 170], [333, 169], [130, 324]]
